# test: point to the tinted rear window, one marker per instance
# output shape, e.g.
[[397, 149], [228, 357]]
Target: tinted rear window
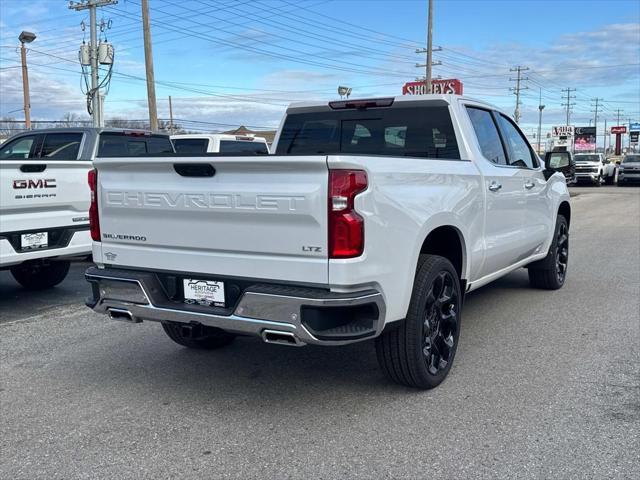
[[400, 131], [61, 146], [242, 146], [115, 144], [191, 145]]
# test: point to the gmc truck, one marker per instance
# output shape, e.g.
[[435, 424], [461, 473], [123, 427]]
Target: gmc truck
[[44, 196], [373, 219]]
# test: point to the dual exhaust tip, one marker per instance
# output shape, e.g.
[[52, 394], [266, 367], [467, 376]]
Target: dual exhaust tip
[[268, 336]]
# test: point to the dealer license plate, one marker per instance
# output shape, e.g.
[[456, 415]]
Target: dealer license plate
[[29, 241], [203, 292]]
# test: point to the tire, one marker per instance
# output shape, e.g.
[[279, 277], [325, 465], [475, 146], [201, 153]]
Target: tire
[[419, 352], [199, 336], [599, 181], [40, 275], [550, 273]]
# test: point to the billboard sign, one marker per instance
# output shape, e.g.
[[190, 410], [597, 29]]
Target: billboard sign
[[619, 129], [634, 127], [451, 85], [584, 139], [562, 135]]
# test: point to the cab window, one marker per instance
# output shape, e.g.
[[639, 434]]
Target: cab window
[[18, 149], [520, 154], [61, 146]]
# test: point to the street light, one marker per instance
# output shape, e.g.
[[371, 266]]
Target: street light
[[540, 108], [26, 37]]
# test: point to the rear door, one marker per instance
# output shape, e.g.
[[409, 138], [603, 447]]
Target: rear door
[[255, 217], [43, 183]]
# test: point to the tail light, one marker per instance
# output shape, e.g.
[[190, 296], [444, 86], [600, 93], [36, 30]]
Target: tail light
[[346, 227], [94, 220]]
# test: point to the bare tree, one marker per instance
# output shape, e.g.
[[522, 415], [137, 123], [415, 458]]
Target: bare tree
[[9, 126], [71, 119]]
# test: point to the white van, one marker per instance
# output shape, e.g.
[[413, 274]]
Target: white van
[[219, 143]]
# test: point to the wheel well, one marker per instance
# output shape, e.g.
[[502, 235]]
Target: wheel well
[[565, 211], [445, 241]]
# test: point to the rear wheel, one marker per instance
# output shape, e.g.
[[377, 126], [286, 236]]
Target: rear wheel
[[40, 275], [551, 272], [197, 336], [420, 351]]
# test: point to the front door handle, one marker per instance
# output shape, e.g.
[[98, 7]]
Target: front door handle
[[494, 187], [529, 185]]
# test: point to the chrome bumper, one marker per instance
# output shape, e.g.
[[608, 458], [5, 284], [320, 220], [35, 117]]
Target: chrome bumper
[[260, 309]]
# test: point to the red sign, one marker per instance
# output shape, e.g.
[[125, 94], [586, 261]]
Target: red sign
[[618, 130], [451, 85]]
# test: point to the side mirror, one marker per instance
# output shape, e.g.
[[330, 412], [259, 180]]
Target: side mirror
[[606, 162], [559, 162]]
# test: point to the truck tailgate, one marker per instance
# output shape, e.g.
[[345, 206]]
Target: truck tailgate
[[43, 194], [254, 217]]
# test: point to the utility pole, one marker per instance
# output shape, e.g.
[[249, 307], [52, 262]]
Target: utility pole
[[619, 112], [26, 37], [429, 50], [595, 116], [92, 6], [569, 104], [540, 108], [518, 87], [148, 61], [605, 136], [170, 117]]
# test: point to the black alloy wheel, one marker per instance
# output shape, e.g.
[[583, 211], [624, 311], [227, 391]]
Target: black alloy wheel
[[440, 325], [562, 252]]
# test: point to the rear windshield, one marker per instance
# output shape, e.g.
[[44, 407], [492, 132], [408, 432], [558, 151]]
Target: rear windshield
[[399, 131], [242, 146], [631, 159], [191, 145], [116, 144]]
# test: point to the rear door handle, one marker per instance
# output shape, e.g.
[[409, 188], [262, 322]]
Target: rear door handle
[[33, 167], [494, 187], [529, 185]]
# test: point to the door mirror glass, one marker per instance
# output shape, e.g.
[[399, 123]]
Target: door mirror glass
[[559, 162]]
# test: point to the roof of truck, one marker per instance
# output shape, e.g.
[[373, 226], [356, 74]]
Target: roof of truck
[[445, 98]]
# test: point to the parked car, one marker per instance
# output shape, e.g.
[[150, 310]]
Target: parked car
[[629, 169], [44, 196], [594, 168], [219, 143], [373, 219]]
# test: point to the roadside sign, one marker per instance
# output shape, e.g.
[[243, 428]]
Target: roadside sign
[[563, 131], [633, 137], [619, 129], [634, 127], [450, 85]]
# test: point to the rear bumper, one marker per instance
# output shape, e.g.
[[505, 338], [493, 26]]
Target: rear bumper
[[311, 315], [73, 242]]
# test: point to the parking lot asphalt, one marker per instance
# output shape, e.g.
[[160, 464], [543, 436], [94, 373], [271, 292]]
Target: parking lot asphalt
[[545, 385]]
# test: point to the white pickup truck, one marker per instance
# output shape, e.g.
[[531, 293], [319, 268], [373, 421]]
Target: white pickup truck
[[44, 196], [219, 143], [373, 219], [594, 168]]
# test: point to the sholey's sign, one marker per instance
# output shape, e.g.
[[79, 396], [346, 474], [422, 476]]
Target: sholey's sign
[[451, 85]]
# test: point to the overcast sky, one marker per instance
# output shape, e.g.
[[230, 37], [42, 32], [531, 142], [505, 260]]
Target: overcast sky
[[241, 62]]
